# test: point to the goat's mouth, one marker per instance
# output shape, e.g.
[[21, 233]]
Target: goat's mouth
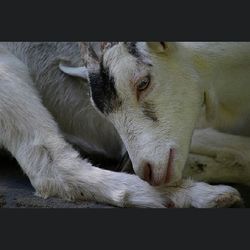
[[166, 178], [170, 165]]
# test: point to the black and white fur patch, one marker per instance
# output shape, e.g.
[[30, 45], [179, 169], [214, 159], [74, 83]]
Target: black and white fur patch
[[132, 49], [102, 84], [103, 92]]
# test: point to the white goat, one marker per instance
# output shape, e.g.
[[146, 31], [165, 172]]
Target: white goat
[[153, 94]]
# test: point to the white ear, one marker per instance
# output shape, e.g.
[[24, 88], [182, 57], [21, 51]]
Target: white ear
[[81, 72]]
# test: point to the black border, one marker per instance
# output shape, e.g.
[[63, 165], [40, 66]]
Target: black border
[[120, 228], [125, 21], [125, 228]]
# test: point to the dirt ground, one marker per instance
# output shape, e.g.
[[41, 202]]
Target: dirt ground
[[17, 192]]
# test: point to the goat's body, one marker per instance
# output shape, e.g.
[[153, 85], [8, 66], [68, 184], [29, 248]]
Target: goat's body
[[224, 69], [220, 147], [66, 96], [54, 168]]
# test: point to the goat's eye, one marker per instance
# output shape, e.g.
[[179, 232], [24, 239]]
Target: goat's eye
[[143, 84]]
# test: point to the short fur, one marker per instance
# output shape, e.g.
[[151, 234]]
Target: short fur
[[43, 112]]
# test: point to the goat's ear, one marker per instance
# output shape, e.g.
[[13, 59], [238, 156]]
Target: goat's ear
[[81, 72], [161, 47], [91, 52]]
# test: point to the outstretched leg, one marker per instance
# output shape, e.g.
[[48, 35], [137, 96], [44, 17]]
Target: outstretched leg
[[219, 158]]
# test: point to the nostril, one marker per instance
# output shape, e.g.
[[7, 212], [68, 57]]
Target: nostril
[[170, 165], [147, 172]]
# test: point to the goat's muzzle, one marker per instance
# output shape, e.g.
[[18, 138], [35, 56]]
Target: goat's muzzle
[[150, 176]]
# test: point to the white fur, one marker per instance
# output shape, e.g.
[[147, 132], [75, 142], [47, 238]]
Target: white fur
[[37, 115], [194, 85]]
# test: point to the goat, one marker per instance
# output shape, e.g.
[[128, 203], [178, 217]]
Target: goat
[[106, 99]]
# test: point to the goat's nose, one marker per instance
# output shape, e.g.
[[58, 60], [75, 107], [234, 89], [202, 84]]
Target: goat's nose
[[155, 179], [148, 175], [147, 172]]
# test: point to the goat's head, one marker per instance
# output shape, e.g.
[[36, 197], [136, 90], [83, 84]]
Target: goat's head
[[150, 94]]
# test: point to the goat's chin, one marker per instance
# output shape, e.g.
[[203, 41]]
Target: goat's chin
[[174, 181]]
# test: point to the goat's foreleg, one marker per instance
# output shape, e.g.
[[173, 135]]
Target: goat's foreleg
[[219, 158]]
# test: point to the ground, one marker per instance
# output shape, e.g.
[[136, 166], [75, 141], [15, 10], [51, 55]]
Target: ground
[[17, 192]]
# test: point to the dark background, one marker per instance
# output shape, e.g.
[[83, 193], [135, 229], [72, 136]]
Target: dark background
[[130, 21]]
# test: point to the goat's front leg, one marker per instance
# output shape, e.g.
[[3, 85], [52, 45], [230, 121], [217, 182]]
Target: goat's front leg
[[219, 158], [191, 193]]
